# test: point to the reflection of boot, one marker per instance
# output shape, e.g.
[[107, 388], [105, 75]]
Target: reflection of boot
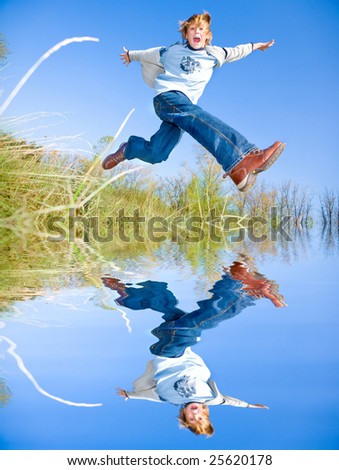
[[256, 284], [115, 284]]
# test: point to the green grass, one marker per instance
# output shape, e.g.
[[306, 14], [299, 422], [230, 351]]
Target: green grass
[[47, 193]]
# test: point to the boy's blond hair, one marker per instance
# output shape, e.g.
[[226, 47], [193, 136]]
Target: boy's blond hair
[[197, 19], [203, 427]]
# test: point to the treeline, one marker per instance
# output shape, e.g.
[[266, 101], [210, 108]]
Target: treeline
[[200, 192], [37, 183]]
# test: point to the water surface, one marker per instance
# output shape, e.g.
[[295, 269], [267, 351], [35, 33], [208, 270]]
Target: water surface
[[65, 351]]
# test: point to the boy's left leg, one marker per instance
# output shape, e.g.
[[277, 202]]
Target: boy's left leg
[[176, 334], [226, 144], [240, 159], [173, 342]]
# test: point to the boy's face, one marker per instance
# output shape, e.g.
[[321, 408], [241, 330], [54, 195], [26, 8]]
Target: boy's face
[[195, 412], [197, 35]]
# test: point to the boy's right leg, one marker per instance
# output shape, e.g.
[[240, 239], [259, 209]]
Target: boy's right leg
[[156, 150]]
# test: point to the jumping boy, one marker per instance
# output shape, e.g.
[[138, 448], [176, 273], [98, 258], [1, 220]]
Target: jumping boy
[[179, 74]]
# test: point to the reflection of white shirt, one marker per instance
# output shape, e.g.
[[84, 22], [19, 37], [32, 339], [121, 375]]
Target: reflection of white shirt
[[180, 380]]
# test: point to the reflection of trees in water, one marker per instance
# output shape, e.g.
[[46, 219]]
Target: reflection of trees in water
[[32, 266], [329, 215], [330, 240], [5, 393], [329, 209], [300, 245]]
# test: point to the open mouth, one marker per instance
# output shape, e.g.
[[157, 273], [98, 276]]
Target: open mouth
[[196, 40]]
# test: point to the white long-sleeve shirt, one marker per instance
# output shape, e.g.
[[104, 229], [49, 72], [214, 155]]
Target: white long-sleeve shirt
[[179, 381], [184, 69]]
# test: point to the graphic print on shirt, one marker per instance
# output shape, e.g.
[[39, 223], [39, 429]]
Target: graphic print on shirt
[[189, 65], [184, 387]]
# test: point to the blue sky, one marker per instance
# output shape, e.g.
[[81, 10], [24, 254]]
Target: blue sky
[[287, 93]]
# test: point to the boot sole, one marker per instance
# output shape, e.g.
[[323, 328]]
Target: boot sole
[[275, 155], [113, 159], [105, 164], [250, 180], [109, 162], [252, 176]]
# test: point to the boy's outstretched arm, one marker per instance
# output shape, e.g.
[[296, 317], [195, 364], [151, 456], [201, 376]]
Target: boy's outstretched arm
[[257, 406], [263, 45]]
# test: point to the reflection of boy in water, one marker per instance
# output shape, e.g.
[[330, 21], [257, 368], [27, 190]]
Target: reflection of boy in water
[[177, 375], [184, 381]]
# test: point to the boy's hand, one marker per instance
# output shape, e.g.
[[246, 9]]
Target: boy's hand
[[258, 406], [263, 45], [121, 393], [125, 57]]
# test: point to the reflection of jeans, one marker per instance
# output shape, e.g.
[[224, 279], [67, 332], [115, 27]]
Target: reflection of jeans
[[182, 329], [179, 114]]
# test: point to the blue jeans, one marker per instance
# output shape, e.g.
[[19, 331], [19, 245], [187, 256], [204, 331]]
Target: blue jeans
[[183, 329], [179, 114]]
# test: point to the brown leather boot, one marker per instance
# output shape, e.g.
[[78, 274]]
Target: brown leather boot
[[115, 284], [245, 173], [256, 284], [115, 158]]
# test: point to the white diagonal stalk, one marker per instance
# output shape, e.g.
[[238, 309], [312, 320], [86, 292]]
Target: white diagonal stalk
[[23, 368], [98, 160], [45, 56]]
